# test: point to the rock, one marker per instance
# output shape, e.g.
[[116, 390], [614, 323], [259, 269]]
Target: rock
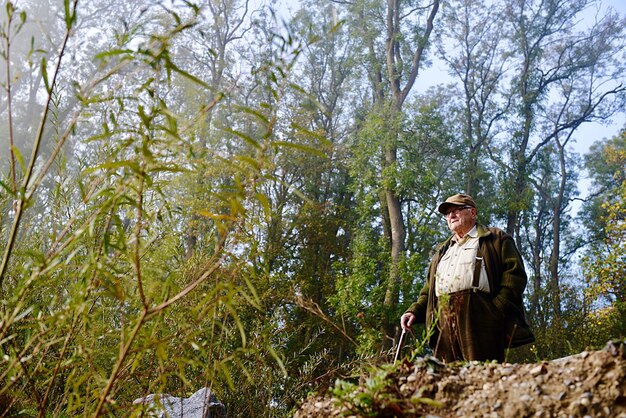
[[540, 369], [616, 348], [202, 404], [506, 371]]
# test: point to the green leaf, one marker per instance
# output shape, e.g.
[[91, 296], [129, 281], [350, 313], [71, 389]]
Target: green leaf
[[226, 373], [245, 137], [253, 162], [113, 53], [278, 359], [7, 188], [265, 204], [70, 15], [44, 74], [238, 323], [216, 216], [255, 113], [132, 165], [10, 9], [252, 298], [189, 76], [300, 147], [18, 156]]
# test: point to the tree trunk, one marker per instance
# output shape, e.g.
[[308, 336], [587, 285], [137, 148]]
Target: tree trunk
[[398, 235]]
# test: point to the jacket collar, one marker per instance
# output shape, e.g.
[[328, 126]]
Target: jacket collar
[[483, 231]]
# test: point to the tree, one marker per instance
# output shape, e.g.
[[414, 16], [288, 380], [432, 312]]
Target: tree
[[565, 78], [552, 55], [407, 27], [471, 42], [604, 267]]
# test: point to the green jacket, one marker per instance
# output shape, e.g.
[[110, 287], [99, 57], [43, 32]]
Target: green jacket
[[505, 272]]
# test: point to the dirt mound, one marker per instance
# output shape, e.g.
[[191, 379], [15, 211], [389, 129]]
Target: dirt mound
[[589, 384]]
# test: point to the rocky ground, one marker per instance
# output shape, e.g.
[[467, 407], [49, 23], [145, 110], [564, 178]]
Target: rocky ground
[[589, 384]]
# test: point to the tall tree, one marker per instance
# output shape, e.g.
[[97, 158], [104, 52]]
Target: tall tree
[[401, 78], [407, 27], [471, 43], [567, 76], [213, 51], [550, 50], [605, 264]]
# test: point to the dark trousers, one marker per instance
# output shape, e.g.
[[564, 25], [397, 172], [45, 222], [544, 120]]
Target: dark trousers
[[470, 327]]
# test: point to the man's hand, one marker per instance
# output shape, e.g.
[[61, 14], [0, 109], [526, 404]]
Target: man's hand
[[406, 320]]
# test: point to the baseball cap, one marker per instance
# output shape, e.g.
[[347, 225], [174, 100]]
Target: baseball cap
[[457, 200]]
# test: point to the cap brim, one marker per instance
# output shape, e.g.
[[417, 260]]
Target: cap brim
[[443, 208]]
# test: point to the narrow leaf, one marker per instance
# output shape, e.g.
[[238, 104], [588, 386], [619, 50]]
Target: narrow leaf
[[245, 137], [44, 73], [300, 147], [7, 188], [18, 156]]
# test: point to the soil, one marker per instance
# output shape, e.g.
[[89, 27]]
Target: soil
[[588, 384]]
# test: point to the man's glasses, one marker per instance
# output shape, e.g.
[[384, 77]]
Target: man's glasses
[[456, 211]]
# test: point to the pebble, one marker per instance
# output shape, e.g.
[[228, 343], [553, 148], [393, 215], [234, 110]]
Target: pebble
[[506, 371], [585, 398], [541, 369], [411, 378]]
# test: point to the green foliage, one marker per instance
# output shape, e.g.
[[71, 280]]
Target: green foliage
[[101, 303], [604, 267], [376, 394], [366, 399], [204, 205]]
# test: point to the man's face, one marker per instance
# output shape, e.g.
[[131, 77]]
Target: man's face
[[461, 219]]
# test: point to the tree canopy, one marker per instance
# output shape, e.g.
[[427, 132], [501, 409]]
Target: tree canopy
[[215, 194]]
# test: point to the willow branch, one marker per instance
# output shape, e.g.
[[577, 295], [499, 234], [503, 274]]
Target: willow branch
[[19, 210]]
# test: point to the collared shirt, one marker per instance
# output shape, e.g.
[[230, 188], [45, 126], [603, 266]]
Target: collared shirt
[[455, 271]]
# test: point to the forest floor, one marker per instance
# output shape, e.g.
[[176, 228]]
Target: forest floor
[[588, 384]]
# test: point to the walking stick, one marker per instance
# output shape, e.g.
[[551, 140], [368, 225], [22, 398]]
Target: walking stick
[[399, 345]]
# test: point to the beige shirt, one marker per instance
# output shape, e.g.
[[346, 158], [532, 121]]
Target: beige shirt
[[455, 271]]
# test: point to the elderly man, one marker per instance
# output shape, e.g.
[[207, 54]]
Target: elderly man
[[475, 282]]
